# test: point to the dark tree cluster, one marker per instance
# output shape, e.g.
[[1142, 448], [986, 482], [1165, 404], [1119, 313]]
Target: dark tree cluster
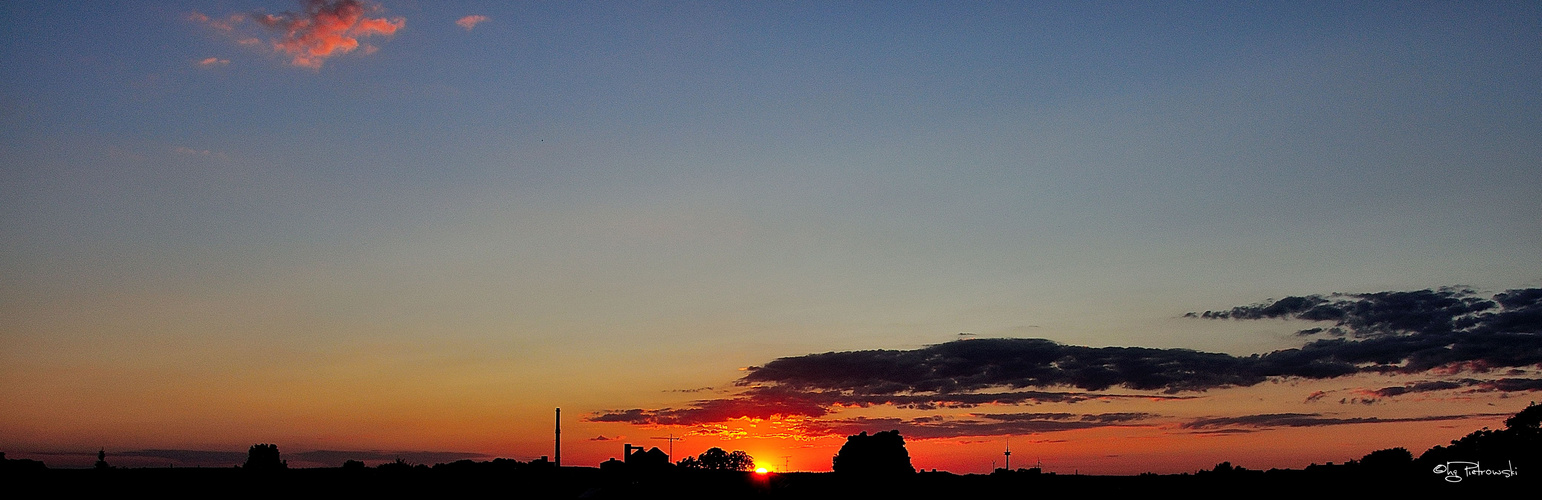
[[879, 454], [717, 459], [263, 457], [20, 465]]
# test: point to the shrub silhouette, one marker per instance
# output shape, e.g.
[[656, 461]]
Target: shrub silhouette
[[264, 457], [881, 454]]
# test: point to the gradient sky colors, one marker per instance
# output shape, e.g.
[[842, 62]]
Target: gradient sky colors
[[419, 226]]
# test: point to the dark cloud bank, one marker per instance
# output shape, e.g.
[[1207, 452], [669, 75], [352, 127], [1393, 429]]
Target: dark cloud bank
[[205, 458], [1439, 331]]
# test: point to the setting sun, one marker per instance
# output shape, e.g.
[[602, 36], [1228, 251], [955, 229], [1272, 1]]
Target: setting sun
[[761, 470]]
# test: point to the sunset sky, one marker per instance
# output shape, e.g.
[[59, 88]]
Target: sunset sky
[[404, 228]]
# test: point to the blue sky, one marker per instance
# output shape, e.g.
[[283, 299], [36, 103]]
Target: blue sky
[[576, 185]]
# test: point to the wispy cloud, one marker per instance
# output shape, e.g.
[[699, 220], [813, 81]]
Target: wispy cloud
[[205, 458], [321, 30], [205, 153], [1495, 385], [226, 24], [422, 457], [977, 424], [191, 457], [472, 21], [762, 405], [210, 62], [1269, 420], [773, 403]]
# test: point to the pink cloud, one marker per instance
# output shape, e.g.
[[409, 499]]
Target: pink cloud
[[226, 25], [472, 21], [323, 29], [210, 62]]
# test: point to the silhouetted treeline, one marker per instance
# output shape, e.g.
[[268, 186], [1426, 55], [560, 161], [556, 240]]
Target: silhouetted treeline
[[1483, 462]]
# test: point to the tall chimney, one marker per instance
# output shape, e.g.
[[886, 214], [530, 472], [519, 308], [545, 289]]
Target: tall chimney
[[558, 454]]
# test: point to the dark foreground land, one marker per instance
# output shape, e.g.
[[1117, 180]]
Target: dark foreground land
[[1486, 464], [583, 482]]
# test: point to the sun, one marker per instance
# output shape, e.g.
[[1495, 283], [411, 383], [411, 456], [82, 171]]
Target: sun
[[761, 470]]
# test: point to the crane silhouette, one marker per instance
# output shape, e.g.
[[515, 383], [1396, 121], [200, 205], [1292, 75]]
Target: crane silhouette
[[671, 440]]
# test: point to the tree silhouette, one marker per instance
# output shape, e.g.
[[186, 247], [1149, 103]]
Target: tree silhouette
[[402, 465], [1527, 423], [739, 460], [1388, 461], [1519, 442], [882, 453], [717, 459], [264, 457]]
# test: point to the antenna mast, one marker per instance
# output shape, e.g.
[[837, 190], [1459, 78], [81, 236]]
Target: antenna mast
[[1009, 454]]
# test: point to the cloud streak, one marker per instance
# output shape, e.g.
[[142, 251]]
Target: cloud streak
[[987, 424], [1496, 385], [777, 403], [472, 21], [190, 457], [422, 457], [205, 458], [1270, 420]]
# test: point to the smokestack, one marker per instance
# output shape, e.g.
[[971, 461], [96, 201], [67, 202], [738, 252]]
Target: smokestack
[[558, 454]]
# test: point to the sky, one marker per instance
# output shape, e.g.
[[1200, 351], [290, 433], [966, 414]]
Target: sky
[[383, 229]]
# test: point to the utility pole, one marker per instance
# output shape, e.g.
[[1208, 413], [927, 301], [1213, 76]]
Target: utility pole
[[558, 453]]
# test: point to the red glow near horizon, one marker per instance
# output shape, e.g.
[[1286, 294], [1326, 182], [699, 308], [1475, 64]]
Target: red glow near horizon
[[1160, 446]]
